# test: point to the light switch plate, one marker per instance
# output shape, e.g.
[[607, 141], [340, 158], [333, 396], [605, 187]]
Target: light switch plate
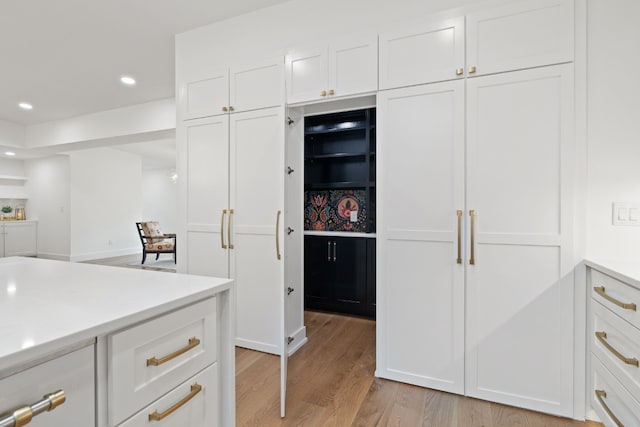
[[626, 213], [353, 216]]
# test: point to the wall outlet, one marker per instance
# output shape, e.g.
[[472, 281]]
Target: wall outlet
[[626, 213], [353, 216]]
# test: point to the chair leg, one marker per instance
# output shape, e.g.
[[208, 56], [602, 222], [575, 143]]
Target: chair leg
[[157, 255], [144, 256]]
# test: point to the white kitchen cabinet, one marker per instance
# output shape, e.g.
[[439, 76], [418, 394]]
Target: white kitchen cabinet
[[210, 91], [73, 373], [344, 67], [519, 345], [233, 201], [520, 35], [493, 219], [429, 53], [20, 238], [422, 307]]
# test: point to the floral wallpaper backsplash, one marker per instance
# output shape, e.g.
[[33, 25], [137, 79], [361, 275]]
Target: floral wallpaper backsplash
[[336, 210]]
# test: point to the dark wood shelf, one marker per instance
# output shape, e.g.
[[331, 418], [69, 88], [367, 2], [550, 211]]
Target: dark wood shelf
[[343, 185], [320, 130], [334, 156]]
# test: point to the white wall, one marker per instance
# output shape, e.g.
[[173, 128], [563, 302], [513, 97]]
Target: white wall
[[106, 201], [49, 201], [12, 190], [160, 198], [613, 125]]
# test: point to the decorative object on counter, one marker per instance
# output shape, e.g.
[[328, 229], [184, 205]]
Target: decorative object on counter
[[5, 211], [20, 215], [336, 210]]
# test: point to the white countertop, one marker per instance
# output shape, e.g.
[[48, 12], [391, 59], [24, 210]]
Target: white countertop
[[625, 271], [46, 305]]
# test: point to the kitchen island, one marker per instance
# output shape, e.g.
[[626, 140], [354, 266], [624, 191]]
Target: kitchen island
[[125, 346]]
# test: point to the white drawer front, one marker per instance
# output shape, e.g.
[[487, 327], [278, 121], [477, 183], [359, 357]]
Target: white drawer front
[[616, 291], [200, 407], [133, 383], [74, 373], [617, 345], [616, 401]]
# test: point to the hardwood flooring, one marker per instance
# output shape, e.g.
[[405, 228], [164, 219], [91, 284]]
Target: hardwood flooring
[[331, 383]]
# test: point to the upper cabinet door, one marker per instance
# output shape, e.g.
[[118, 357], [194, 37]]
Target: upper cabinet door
[[307, 75], [353, 66], [519, 35], [431, 53], [257, 85], [204, 94]]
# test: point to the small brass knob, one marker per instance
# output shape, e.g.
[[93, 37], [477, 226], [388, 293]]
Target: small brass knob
[[323, 93], [459, 72], [231, 108], [331, 92], [225, 109], [472, 69]]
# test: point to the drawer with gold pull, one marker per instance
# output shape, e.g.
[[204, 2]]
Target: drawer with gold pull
[[59, 392], [613, 403], [193, 403], [149, 360], [617, 344], [617, 296]]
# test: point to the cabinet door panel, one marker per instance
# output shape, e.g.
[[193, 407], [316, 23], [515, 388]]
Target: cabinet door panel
[[519, 291], [257, 85], [353, 65], [204, 95], [204, 168], [520, 35], [20, 239], [318, 269], [257, 194], [430, 53], [420, 285], [307, 75], [349, 257]]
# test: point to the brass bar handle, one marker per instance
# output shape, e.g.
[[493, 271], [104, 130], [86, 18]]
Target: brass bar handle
[[459, 214], [602, 337], [159, 416], [601, 395], [153, 361], [472, 254], [229, 229], [600, 290], [23, 415], [278, 256], [224, 212]]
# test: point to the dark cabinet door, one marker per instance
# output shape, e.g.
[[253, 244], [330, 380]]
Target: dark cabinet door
[[350, 259], [318, 270]]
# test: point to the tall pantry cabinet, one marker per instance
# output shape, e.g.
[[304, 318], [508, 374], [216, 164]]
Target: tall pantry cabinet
[[475, 206], [231, 172]]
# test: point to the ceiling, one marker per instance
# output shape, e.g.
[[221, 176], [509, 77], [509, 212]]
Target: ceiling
[[66, 57]]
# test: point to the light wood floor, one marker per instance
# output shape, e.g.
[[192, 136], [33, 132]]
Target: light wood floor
[[331, 383]]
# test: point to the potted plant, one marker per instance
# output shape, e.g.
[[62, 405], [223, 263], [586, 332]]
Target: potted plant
[[6, 210]]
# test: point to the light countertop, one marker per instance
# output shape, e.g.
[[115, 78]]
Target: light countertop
[[625, 271], [46, 305]]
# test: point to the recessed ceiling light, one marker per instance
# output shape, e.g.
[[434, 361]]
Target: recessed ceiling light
[[9, 153], [129, 81], [25, 106]]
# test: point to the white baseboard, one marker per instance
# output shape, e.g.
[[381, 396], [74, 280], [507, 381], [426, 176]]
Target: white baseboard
[[299, 339], [258, 346], [50, 255], [104, 254]]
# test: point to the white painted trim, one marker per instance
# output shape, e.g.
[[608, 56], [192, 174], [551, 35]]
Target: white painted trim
[[50, 255], [258, 346], [103, 254], [299, 339]]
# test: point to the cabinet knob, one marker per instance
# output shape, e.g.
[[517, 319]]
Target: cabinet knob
[[472, 69], [459, 72], [323, 93], [225, 109], [231, 108], [331, 92]]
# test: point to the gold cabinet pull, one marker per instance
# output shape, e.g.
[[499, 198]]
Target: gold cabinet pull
[[472, 69], [231, 108], [472, 254], [459, 214], [225, 109], [329, 251], [602, 337], [23, 415], [600, 290], [229, 228], [459, 71], [158, 416], [153, 361], [331, 92], [224, 212], [278, 256], [601, 395], [323, 93]]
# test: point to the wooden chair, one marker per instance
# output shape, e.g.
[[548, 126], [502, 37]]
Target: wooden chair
[[154, 241]]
